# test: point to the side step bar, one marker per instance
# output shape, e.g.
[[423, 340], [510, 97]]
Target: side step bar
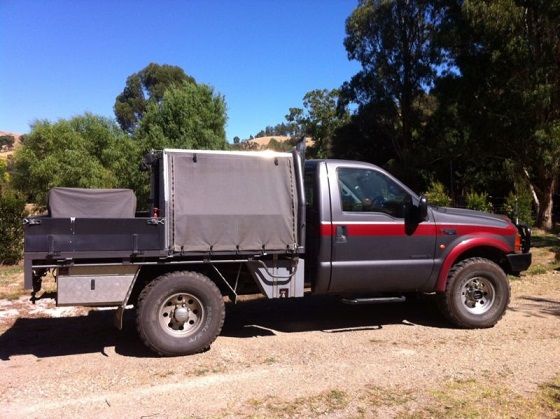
[[374, 300]]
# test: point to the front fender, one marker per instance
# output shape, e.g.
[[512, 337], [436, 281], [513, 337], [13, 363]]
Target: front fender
[[466, 244]]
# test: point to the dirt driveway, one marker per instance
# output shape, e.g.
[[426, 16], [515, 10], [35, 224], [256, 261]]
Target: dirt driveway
[[304, 357]]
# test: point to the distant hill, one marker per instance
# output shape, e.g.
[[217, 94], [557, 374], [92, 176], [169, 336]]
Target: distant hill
[[263, 142]]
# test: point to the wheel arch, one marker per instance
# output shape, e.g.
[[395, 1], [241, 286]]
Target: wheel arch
[[148, 273], [489, 248]]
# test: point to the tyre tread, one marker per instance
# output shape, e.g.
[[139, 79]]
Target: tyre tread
[[445, 297], [145, 292]]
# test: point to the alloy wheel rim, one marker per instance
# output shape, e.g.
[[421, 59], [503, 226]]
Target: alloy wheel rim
[[478, 295], [181, 314]]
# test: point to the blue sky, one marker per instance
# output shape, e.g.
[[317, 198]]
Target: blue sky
[[62, 58]]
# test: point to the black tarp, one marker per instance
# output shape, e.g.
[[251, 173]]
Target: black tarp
[[224, 201], [91, 203]]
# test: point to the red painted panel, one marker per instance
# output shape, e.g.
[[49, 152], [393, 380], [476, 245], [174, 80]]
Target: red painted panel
[[463, 247]]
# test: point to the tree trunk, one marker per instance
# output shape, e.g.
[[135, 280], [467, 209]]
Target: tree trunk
[[533, 191], [544, 215]]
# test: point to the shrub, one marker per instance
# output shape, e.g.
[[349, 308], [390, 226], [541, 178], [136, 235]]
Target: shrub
[[518, 205], [437, 195], [478, 201], [7, 140], [11, 240]]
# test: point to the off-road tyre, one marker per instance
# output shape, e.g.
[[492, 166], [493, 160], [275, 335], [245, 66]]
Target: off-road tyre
[[467, 280], [179, 313]]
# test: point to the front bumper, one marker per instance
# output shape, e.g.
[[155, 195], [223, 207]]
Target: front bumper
[[519, 261]]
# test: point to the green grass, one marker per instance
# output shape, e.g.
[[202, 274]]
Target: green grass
[[538, 269]]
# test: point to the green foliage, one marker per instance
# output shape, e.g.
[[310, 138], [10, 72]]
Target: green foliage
[[518, 205], [189, 116], [4, 176], [86, 151], [437, 195], [505, 91], [145, 87], [465, 92], [289, 129], [393, 41], [319, 119], [478, 201], [11, 240]]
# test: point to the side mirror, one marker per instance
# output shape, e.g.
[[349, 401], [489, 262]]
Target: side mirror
[[422, 208]]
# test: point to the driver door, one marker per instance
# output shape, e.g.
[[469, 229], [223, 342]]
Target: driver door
[[374, 248]]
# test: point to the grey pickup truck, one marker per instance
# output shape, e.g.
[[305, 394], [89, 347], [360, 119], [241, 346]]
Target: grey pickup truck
[[227, 223]]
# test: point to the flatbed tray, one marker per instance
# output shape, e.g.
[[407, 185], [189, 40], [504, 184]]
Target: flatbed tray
[[62, 235]]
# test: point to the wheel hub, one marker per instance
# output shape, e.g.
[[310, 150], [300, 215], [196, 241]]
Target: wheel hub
[[181, 314], [477, 295]]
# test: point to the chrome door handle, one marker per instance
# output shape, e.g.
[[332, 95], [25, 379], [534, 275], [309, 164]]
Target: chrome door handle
[[341, 234]]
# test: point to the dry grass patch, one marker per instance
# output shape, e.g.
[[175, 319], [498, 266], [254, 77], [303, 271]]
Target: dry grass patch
[[546, 251], [474, 399], [321, 404], [375, 397], [11, 282]]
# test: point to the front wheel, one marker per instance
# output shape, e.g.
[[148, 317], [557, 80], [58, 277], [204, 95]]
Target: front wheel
[[477, 294], [180, 313]]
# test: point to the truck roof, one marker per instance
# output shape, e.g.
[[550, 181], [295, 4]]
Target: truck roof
[[264, 153]]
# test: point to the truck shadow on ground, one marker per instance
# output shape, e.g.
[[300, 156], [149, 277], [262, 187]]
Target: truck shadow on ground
[[263, 317], [538, 306], [93, 333]]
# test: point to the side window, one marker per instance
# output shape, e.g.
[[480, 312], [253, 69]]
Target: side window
[[364, 190]]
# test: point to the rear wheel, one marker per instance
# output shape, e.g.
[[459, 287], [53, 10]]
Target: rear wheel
[[477, 294], [180, 313]]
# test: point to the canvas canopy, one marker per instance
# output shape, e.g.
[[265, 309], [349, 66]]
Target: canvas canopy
[[91, 203], [224, 201]]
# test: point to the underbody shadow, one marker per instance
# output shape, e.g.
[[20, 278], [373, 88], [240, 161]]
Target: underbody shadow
[[263, 317]]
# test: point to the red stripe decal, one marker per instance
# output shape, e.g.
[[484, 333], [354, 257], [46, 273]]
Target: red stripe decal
[[389, 230], [424, 229], [327, 230]]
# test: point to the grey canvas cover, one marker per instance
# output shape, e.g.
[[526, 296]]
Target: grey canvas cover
[[231, 201], [91, 203]]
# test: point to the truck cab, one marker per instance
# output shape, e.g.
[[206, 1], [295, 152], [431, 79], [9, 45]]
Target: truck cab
[[367, 233]]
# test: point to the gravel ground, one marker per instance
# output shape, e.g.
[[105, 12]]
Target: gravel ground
[[305, 357]]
